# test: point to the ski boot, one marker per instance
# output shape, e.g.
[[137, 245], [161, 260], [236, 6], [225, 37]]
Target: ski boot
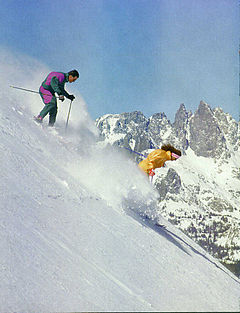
[[38, 119]]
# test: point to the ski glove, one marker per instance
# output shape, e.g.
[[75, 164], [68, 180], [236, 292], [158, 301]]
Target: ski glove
[[61, 97], [151, 172], [71, 97]]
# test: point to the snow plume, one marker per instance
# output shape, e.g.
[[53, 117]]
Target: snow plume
[[107, 172], [21, 71]]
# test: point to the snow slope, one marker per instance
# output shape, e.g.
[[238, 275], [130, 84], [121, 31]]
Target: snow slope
[[69, 239]]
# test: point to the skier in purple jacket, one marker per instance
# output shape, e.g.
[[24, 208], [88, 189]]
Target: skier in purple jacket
[[54, 82]]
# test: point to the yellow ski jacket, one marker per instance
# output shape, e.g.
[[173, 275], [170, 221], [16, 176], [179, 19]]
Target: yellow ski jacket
[[155, 159]]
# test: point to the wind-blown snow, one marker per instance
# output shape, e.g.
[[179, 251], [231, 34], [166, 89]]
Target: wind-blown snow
[[69, 239]]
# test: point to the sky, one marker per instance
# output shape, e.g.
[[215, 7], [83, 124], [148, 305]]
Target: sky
[[133, 55]]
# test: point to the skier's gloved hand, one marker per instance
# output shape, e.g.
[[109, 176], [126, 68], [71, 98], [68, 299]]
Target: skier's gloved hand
[[61, 97], [151, 172], [71, 97]]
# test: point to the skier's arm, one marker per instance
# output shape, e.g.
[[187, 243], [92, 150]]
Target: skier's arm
[[150, 161], [150, 166], [58, 88]]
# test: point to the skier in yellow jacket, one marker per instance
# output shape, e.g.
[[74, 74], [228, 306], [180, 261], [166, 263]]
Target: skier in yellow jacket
[[157, 159]]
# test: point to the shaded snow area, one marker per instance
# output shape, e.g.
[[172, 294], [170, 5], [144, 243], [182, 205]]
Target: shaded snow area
[[71, 235]]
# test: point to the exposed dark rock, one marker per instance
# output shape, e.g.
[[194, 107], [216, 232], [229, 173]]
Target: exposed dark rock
[[206, 138]]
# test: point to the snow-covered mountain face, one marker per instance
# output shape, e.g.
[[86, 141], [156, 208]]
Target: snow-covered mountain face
[[200, 192]]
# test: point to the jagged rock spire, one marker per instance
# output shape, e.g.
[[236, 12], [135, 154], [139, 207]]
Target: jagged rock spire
[[206, 138]]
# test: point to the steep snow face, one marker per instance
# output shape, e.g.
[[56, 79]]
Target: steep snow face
[[67, 246]]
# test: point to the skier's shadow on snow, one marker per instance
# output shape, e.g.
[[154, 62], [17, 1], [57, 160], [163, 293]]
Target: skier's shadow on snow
[[145, 221], [170, 236]]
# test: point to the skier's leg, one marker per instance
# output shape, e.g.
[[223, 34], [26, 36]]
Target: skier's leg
[[53, 113], [49, 101], [151, 174]]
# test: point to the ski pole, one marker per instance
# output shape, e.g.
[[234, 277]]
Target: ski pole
[[134, 152], [24, 89], [29, 90], [70, 106]]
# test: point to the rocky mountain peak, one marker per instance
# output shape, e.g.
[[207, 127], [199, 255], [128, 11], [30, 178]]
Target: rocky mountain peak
[[206, 137], [180, 126], [208, 132], [181, 115], [159, 116], [228, 126]]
